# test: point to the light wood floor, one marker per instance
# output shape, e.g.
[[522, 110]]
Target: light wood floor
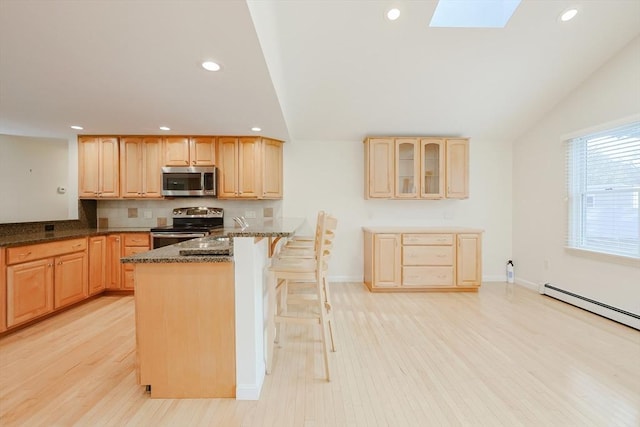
[[503, 357]]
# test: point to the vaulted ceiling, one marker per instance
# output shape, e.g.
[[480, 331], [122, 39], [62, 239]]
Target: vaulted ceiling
[[299, 69]]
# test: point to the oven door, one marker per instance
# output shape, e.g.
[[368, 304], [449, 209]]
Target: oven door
[[160, 239]]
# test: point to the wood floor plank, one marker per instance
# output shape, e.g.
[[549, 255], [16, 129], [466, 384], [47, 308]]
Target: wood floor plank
[[505, 356]]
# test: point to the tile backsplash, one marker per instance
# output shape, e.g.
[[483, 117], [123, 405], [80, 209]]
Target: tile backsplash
[[154, 213]]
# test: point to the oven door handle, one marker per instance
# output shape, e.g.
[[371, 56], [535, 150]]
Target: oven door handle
[[178, 235]]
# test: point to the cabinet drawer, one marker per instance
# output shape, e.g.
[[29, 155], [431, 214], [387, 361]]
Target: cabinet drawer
[[44, 250], [427, 239], [427, 255], [427, 276], [141, 239]]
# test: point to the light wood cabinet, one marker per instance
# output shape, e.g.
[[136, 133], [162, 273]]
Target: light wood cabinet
[[422, 259], [386, 271], [97, 264], [250, 168], [70, 279], [457, 168], [43, 277], [112, 263], [134, 243], [416, 168], [190, 151], [379, 168], [468, 262], [272, 182], [141, 160], [3, 291], [98, 167]]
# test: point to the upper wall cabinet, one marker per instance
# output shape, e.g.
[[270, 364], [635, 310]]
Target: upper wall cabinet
[[250, 168], [190, 151], [98, 175], [416, 168], [140, 166]]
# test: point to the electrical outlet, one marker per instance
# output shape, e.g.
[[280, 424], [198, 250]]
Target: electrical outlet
[[249, 214]]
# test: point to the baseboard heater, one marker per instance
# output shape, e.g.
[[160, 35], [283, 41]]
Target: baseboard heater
[[604, 310]]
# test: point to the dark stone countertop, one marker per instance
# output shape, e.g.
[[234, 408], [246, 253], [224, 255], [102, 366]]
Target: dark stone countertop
[[50, 236], [215, 247]]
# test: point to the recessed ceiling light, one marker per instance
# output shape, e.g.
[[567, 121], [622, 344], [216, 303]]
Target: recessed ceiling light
[[210, 66], [165, 128], [568, 15], [256, 129], [393, 14], [77, 127]]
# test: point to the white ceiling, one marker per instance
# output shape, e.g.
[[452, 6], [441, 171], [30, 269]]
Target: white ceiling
[[301, 70]]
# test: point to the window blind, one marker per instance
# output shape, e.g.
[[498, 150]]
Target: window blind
[[603, 183]]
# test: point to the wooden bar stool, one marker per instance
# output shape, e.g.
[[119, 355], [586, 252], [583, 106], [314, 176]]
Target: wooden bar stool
[[302, 281]]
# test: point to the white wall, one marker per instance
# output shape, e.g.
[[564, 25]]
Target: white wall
[[31, 171], [539, 205], [329, 175]]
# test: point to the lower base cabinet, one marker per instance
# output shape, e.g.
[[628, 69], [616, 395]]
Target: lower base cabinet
[[422, 259], [44, 277]]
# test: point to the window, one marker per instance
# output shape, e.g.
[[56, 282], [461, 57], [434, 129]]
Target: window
[[603, 177]]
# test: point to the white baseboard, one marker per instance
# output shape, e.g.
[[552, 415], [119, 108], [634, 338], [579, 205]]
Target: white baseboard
[[249, 391], [339, 279]]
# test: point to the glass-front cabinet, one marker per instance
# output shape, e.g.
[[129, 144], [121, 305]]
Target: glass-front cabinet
[[407, 167], [432, 168]]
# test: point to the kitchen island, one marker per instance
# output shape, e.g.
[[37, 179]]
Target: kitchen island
[[200, 316]]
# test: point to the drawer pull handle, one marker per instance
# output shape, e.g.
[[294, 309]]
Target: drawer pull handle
[[25, 254], [76, 245]]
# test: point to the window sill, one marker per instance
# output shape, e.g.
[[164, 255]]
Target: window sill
[[604, 257]]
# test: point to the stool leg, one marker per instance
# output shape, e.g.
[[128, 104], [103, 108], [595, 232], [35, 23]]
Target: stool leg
[[323, 325]]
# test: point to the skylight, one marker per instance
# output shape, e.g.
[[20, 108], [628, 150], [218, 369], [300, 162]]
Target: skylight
[[473, 13]]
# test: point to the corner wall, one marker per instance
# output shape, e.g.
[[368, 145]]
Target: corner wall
[[539, 193]]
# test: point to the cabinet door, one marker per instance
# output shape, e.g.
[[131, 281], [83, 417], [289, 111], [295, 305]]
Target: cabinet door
[[203, 151], [88, 171], [432, 168], [249, 168], [29, 290], [379, 168], [131, 149], [228, 167], [97, 267], [407, 167], [176, 151], [151, 167], [3, 291], [457, 168], [70, 282], [114, 252], [469, 256], [109, 168], [386, 260], [272, 169]]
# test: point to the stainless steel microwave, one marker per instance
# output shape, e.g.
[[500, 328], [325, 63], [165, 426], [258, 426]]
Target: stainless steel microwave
[[189, 181]]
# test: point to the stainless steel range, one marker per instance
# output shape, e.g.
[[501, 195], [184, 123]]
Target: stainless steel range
[[188, 223]]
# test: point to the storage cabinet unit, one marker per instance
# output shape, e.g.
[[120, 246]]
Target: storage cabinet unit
[[141, 161], [250, 168], [97, 264], [190, 151], [43, 277], [416, 168], [134, 243], [406, 259], [112, 262], [3, 291], [98, 164]]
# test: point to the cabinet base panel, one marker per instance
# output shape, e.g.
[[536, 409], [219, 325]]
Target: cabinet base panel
[[374, 289]]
